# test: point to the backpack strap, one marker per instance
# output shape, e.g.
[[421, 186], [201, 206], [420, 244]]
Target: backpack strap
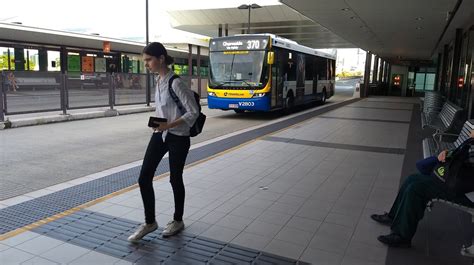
[[173, 94]]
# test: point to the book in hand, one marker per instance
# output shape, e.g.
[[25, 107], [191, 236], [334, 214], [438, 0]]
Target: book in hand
[[155, 122]]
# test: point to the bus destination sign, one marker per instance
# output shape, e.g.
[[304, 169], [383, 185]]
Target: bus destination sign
[[243, 44]]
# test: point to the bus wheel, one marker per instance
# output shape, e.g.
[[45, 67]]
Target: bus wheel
[[239, 111], [290, 101], [323, 97], [289, 104]]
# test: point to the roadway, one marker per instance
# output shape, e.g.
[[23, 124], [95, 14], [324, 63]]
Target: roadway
[[37, 157], [50, 99], [23, 101]]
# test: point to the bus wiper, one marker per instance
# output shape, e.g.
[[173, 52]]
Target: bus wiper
[[243, 80], [223, 83]]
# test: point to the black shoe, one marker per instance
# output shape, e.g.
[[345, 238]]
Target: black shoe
[[382, 218], [395, 240]]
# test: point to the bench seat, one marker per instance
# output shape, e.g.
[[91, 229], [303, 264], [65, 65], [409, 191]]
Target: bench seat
[[465, 251], [444, 121], [432, 146], [431, 105], [37, 82]]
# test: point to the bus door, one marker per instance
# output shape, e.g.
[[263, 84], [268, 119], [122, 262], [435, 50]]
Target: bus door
[[274, 82], [279, 70], [281, 57]]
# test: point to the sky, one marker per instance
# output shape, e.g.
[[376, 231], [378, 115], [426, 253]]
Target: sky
[[350, 60], [116, 19], [123, 19]]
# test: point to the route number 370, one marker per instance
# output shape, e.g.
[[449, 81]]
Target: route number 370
[[253, 44]]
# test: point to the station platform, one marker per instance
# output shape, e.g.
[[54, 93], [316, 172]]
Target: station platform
[[298, 190]]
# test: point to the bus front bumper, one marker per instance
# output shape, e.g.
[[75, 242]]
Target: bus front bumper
[[250, 104]]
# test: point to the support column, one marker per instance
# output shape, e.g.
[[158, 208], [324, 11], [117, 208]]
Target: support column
[[226, 29], [438, 68], [385, 73], [452, 92], [19, 59], [43, 59], [382, 63], [389, 74], [375, 70], [2, 96], [444, 69], [118, 60], [199, 70], [368, 60], [219, 31], [470, 99], [9, 59], [63, 60], [190, 63]]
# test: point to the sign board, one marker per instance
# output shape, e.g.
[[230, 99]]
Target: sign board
[[246, 43], [87, 64], [100, 65], [73, 63], [106, 46]]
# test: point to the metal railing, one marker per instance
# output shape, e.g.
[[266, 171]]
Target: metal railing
[[24, 92]]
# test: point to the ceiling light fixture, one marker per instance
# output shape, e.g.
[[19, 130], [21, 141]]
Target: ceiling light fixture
[[345, 9], [419, 18], [418, 28]]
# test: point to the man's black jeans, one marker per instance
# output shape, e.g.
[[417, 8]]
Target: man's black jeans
[[178, 148]]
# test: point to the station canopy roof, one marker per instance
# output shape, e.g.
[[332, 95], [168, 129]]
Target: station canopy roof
[[402, 31]]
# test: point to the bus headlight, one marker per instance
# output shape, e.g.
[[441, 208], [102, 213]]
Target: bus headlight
[[211, 94], [258, 95]]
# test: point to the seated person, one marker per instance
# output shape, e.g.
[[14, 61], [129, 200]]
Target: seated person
[[414, 194], [13, 86]]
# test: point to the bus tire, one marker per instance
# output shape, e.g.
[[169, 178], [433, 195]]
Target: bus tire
[[290, 101], [323, 97], [239, 110]]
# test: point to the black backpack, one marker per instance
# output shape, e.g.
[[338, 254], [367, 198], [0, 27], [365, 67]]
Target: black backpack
[[201, 119], [458, 171]]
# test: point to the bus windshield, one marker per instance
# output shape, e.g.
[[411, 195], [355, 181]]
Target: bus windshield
[[236, 68]]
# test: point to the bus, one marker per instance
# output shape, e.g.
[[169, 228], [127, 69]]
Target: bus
[[264, 72]]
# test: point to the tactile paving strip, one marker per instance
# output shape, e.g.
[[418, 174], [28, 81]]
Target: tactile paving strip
[[108, 235], [31, 211]]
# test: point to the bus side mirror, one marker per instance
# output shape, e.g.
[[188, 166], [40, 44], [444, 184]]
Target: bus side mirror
[[270, 58]]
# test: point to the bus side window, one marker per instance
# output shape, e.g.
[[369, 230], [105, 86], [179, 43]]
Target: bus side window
[[309, 71], [321, 68]]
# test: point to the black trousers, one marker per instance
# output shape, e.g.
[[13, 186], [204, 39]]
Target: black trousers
[[409, 206], [178, 148]]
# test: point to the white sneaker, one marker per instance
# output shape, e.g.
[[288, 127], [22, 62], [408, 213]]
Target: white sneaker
[[142, 231], [173, 228]]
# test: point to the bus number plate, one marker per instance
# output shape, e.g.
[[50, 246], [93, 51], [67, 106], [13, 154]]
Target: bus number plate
[[234, 106]]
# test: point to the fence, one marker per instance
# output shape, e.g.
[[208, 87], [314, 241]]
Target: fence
[[32, 92]]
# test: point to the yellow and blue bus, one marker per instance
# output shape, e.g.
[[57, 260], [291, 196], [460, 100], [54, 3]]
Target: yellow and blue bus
[[263, 72]]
